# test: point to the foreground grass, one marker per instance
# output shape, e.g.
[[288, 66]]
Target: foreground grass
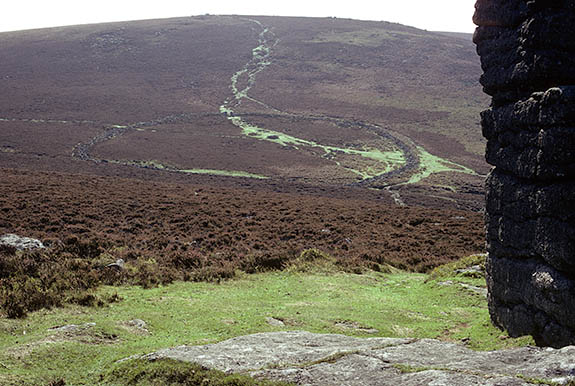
[[395, 304], [142, 372]]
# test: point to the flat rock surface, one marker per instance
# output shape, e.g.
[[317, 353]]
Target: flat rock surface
[[329, 359]]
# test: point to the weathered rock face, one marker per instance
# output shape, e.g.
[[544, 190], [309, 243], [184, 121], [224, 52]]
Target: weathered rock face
[[527, 53], [305, 358]]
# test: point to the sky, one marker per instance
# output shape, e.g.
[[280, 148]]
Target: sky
[[438, 15]]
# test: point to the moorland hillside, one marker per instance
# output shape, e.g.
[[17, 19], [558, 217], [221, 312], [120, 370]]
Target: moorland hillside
[[217, 143], [266, 102]]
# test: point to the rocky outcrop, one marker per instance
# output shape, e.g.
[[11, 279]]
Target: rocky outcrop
[[20, 243], [305, 358], [527, 54]]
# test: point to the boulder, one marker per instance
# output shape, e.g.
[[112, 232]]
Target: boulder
[[306, 358], [21, 243]]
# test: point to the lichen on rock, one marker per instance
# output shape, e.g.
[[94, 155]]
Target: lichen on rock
[[20, 242], [306, 358]]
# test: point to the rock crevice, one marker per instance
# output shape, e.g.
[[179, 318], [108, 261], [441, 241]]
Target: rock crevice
[[528, 58]]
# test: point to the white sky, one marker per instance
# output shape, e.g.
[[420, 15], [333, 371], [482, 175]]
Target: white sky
[[439, 15]]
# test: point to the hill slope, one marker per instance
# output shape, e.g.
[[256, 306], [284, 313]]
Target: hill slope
[[267, 101]]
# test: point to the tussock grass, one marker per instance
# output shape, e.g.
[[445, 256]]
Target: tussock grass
[[143, 372], [449, 269]]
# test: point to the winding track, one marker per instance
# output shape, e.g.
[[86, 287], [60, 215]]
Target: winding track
[[261, 59], [411, 153]]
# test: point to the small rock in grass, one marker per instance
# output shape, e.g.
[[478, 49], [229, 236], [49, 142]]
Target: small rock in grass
[[137, 325], [275, 322], [71, 328], [118, 265], [479, 290], [354, 326], [471, 271]]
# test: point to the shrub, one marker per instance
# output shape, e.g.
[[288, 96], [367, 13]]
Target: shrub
[[88, 249], [312, 260], [314, 255], [217, 271], [266, 261], [33, 280], [22, 294]]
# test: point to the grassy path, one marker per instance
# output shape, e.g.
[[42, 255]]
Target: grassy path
[[407, 159], [386, 161]]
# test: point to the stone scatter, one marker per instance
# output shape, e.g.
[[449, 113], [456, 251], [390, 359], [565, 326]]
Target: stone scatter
[[528, 58]]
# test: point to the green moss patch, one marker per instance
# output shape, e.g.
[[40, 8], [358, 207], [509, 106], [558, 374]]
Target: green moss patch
[[431, 164]]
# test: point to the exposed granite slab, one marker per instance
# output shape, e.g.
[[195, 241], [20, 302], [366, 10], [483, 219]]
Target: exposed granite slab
[[329, 359]]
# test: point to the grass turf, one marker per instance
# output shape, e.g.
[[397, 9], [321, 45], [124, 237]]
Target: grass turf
[[317, 299]]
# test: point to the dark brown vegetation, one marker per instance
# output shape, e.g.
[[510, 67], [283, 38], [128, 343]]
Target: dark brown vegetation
[[64, 89], [91, 117], [166, 232]]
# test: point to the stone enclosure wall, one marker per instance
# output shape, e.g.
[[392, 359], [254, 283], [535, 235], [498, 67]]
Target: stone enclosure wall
[[527, 51]]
